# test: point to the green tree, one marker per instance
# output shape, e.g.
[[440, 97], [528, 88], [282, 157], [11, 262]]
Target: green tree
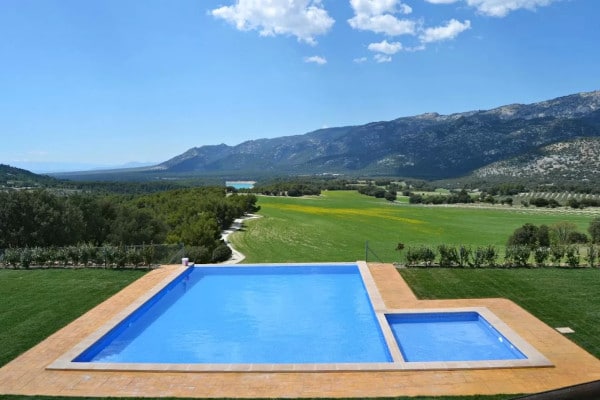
[[526, 235], [390, 196], [594, 230], [560, 232]]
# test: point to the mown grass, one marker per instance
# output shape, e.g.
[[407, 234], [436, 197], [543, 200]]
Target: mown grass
[[336, 225], [36, 303], [559, 297]]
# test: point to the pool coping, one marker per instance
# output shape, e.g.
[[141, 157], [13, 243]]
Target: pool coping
[[533, 357]]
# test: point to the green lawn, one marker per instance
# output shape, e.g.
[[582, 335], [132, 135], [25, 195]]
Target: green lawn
[[36, 303], [336, 225]]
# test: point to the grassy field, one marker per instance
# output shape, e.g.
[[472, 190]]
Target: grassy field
[[35, 304], [336, 225]]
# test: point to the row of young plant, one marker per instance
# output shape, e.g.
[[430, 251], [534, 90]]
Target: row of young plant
[[517, 256], [87, 255]]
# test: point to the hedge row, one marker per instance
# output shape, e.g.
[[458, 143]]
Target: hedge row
[[85, 255], [514, 256]]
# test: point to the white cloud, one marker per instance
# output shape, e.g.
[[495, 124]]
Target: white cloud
[[315, 60], [405, 9], [449, 31], [379, 7], [386, 24], [304, 19], [360, 60], [382, 58], [500, 8], [378, 16], [386, 47]]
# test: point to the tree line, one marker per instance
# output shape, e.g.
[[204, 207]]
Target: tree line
[[193, 217]]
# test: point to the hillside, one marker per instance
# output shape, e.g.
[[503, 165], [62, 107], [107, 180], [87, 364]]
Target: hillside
[[578, 159], [428, 146], [11, 177]]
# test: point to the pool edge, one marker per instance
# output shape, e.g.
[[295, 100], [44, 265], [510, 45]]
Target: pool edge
[[534, 357]]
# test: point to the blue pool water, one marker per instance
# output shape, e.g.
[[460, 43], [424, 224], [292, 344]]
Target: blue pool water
[[295, 314], [450, 336]]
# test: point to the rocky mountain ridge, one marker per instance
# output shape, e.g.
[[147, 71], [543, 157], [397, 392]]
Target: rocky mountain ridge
[[429, 146]]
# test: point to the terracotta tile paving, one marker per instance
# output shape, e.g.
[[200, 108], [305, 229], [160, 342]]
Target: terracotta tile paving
[[28, 375]]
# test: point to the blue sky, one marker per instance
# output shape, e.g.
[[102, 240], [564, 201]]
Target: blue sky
[[114, 81]]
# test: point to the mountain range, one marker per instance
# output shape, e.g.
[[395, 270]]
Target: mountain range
[[482, 143]]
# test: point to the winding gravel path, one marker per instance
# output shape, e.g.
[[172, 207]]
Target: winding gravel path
[[236, 256]]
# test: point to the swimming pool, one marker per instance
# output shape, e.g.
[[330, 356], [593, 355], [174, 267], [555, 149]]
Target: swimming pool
[[450, 336], [247, 315], [291, 317]]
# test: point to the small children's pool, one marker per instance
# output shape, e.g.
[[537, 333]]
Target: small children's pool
[[450, 336]]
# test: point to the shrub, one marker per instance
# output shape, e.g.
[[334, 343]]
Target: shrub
[[517, 256], [109, 255], [557, 252], [221, 253], [539, 202], [572, 256], [427, 255], [491, 256], [73, 254], [577, 237], [120, 256], [530, 235], [479, 257], [198, 254], [390, 196], [448, 255], [134, 256], [465, 256], [40, 256], [12, 257], [411, 256], [540, 255], [148, 254], [592, 255], [26, 257], [62, 256], [594, 230], [87, 253], [419, 255]]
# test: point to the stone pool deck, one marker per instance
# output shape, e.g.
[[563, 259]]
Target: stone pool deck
[[27, 374]]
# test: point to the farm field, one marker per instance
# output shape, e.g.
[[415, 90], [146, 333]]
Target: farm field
[[336, 225]]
